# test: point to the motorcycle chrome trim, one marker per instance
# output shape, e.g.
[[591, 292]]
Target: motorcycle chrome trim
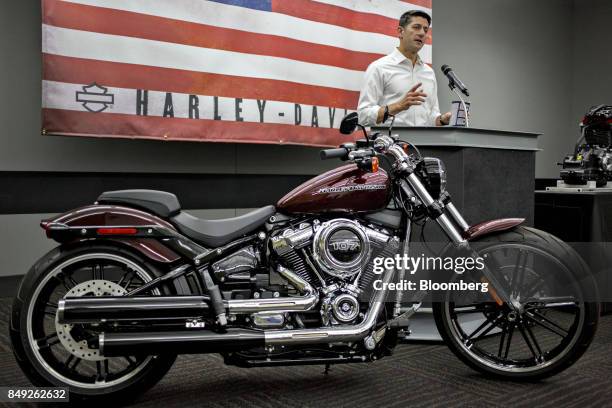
[[293, 238], [334, 334], [268, 320], [339, 312], [445, 223], [327, 261], [456, 216], [285, 304], [450, 229], [402, 271], [377, 236]]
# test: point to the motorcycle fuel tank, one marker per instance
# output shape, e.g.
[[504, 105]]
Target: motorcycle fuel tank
[[344, 189]]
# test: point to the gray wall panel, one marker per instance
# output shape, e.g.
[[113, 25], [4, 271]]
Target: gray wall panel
[[514, 56], [592, 62]]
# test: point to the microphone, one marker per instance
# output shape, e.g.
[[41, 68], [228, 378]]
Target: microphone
[[453, 80]]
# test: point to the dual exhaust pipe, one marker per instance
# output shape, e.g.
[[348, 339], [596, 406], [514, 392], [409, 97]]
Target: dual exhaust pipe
[[162, 309], [151, 309]]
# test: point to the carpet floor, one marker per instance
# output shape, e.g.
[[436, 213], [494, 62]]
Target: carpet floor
[[418, 375]]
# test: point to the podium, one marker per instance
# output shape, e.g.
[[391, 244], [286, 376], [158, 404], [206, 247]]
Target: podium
[[491, 173]]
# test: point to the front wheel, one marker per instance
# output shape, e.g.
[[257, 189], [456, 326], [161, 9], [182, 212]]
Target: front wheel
[[58, 355], [552, 317]]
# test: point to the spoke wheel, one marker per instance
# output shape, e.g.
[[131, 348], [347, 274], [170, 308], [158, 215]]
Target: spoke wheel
[[545, 327], [62, 348], [59, 355]]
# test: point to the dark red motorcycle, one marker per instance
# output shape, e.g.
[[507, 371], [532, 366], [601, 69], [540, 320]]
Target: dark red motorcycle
[[311, 280]]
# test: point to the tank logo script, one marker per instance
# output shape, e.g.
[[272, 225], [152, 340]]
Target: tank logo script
[[346, 189]]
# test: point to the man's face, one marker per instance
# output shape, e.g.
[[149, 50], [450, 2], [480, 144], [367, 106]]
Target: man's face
[[413, 35]]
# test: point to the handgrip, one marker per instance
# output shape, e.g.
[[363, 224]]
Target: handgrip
[[339, 153]]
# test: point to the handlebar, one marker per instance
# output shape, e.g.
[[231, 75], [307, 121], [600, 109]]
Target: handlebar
[[339, 153], [382, 145]]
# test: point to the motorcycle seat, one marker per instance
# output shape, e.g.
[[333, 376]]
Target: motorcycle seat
[[160, 203], [216, 233]]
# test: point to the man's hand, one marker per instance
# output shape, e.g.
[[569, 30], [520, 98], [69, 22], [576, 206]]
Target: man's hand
[[444, 120], [415, 96]]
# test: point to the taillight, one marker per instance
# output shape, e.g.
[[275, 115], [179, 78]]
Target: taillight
[[117, 231]]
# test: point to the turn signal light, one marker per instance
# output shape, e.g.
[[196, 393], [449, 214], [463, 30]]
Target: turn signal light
[[117, 231], [492, 292], [405, 147], [374, 164]]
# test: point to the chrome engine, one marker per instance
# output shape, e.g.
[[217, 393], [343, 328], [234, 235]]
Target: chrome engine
[[329, 264], [334, 256], [338, 249]]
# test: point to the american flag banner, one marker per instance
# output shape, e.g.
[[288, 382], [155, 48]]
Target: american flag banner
[[251, 71]]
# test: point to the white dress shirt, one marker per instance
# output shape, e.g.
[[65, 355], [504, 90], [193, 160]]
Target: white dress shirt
[[387, 80]]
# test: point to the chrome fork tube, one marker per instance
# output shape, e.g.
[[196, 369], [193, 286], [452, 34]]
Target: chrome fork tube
[[402, 272], [456, 216], [445, 223]]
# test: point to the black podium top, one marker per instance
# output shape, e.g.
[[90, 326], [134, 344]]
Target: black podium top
[[449, 136]]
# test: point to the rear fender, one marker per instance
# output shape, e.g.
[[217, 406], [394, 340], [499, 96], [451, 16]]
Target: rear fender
[[129, 227]]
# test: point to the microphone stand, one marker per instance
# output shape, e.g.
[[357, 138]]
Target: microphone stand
[[453, 88]]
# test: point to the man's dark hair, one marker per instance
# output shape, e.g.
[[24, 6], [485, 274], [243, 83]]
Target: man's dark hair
[[407, 17]]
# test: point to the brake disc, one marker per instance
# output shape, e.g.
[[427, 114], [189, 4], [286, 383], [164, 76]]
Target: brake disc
[[79, 347]]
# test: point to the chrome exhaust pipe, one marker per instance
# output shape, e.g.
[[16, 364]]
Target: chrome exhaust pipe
[[185, 342], [336, 334], [286, 304], [160, 308]]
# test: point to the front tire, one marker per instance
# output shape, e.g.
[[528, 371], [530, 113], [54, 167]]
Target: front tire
[[554, 315], [54, 355]]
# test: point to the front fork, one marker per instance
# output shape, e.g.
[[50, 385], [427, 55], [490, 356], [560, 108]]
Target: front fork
[[438, 210]]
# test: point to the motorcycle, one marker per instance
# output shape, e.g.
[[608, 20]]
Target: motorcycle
[[136, 281]]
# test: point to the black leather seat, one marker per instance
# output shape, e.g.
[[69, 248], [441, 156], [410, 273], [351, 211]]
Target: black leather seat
[[216, 233], [160, 203]]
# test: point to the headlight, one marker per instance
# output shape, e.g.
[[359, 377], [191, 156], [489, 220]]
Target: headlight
[[435, 176]]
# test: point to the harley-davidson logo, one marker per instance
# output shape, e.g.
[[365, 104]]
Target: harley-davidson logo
[[95, 98], [346, 189]]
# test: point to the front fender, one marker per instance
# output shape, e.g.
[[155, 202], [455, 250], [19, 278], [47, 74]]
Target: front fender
[[489, 227], [122, 225]]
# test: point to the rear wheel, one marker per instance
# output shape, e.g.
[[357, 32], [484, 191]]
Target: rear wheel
[[552, 319], [54, 354]]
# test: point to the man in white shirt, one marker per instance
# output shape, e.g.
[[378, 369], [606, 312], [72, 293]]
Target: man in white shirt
[[400, 83]]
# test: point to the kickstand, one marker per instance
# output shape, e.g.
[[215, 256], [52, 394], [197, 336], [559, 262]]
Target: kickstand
[[327, 369]]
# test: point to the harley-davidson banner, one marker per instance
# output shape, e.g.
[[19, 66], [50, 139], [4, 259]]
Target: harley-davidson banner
[[252, 71]]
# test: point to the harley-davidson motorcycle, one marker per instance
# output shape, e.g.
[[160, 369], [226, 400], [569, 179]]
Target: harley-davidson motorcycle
[[136, 281]]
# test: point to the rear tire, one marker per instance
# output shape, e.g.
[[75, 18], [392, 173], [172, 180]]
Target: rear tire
[[40, 358], [549, 334]]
